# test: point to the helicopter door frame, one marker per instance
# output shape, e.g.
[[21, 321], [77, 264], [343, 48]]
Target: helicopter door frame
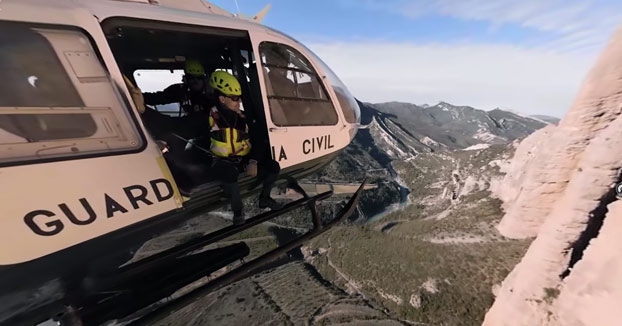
[[78, 199], [296, 144], [240, 64]]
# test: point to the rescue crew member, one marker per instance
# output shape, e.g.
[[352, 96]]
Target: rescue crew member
[[231, 145], [192, 94], [224, 131]]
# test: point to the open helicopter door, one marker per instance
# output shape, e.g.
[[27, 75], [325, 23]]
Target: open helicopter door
[[302, 110], [305, 128]]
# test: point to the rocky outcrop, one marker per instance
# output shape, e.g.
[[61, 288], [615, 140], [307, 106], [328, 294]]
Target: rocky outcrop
[[560, 189], [532, 190], [516, 172], [593, 293]]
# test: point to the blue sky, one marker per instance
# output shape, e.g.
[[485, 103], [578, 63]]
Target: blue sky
[[525, 55], [353, 20]]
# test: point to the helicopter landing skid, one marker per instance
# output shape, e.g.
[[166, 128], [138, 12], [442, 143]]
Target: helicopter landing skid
[[130, 296]]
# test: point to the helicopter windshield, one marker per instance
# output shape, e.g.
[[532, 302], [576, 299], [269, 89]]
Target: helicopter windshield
[[295, 91], [350, 108]]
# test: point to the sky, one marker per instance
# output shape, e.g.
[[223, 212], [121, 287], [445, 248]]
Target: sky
[[529, 56]]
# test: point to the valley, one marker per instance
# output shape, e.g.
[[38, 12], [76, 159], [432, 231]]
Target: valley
[[422, 248]]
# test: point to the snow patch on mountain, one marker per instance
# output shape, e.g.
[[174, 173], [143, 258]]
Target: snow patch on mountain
[[485, 135], [477, 147], [429, 141]]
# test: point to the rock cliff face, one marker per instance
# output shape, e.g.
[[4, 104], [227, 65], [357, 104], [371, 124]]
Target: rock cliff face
[[560, 189]]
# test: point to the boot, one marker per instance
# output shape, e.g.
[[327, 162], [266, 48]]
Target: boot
[[238, 217], [267, 202]]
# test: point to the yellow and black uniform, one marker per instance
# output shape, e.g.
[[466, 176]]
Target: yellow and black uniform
[[224, 126], [222, 131], [228, 134], [233, 151], [225, 133]]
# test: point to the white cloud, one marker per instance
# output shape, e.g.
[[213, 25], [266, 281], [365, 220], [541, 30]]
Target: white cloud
[[543, 76], [533, 81], [586, 24]]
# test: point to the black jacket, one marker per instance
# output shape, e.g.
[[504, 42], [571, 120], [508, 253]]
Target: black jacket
[[189, 100]]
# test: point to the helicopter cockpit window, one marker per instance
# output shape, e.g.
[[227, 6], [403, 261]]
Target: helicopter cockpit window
[[349, 106], [56, 98], [295, 92]]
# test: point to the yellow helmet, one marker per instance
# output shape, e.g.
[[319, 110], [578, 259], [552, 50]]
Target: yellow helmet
[[225, 83], [194, 68]]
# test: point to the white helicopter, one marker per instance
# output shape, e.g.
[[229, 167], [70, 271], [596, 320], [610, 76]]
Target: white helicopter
[[82, 182]]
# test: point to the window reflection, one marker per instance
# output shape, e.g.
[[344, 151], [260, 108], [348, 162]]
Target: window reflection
[[295, 92]]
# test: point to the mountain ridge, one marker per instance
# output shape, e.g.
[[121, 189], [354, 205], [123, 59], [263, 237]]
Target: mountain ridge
[[418, 129]]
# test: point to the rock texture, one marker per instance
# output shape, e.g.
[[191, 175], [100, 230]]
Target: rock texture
[[527, 188], [530, 190], [595, 283], [560, 189]]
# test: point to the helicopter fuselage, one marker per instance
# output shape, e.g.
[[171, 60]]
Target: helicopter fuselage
[[83, 182]]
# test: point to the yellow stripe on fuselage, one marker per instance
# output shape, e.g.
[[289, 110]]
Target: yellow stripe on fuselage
[[166, 172]]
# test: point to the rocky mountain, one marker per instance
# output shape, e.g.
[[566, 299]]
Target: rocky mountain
[[442, 161], [408, 129], [434, 260], [561, 189], [399, 131]]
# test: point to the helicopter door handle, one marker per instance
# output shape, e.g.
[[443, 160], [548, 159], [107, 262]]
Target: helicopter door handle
[[278, 129]]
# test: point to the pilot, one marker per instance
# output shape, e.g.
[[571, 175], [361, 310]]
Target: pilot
[[277, 74], [224, 131], [192, 94]]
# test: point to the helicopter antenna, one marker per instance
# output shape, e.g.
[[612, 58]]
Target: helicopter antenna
[[236, 6]]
